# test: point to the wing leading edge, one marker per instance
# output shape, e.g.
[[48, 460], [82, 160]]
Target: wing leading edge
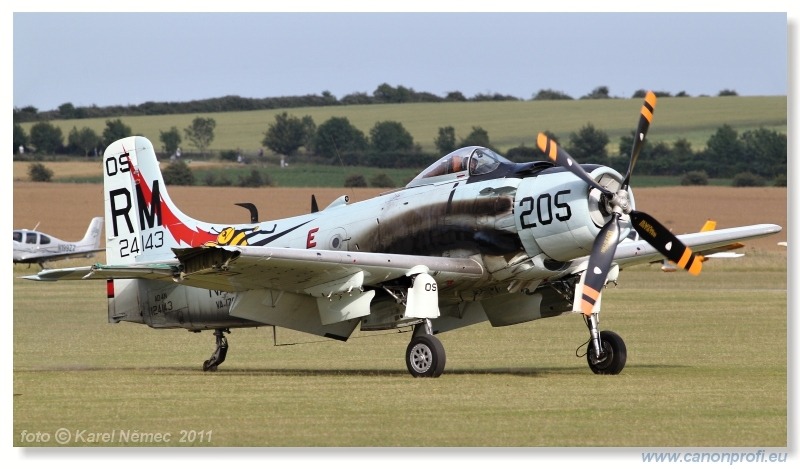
[[703, 242], [244, 268]]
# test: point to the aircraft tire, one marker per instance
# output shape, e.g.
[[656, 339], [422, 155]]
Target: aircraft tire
[[208, 367], [425, 357], [616, 354]]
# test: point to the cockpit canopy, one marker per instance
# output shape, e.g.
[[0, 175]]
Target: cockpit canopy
[[461, 163]]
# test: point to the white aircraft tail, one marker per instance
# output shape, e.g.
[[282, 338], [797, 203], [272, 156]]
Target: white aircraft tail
[[142, 222], [92, 237]]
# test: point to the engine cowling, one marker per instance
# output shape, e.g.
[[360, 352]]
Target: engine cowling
[[559, 215]]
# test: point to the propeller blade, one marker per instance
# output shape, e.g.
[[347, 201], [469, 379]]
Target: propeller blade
[[645, 117], [605, 245], [667, 243], [560, 157]]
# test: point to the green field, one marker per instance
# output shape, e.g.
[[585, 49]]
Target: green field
[[508, 123], [707, 367]]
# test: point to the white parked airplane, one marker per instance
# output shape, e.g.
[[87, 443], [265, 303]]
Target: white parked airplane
[[35, 247], [473, 238]]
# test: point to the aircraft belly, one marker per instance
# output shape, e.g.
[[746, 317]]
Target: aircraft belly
[[458, 316], [513, 308], [165, 305]]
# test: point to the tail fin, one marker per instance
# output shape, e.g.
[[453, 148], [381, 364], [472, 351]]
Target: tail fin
[[92, 236], [710, 225], [142, 222]]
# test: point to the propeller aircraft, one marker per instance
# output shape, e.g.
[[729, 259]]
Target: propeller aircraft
[[31, 246], [473, 238]]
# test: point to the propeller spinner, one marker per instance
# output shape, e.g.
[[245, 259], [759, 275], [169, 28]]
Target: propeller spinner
[[605, 244]]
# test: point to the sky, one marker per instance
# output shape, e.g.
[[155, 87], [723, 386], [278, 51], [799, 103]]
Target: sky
[[120, 58]]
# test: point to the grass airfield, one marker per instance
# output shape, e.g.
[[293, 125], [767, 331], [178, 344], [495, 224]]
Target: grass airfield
[[707, 367]]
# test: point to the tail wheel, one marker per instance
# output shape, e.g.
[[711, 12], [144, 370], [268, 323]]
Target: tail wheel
[[425, 357], [615, 354]]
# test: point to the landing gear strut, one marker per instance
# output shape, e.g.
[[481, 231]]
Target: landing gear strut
[[219, 353], [607, 353], [425, 357]]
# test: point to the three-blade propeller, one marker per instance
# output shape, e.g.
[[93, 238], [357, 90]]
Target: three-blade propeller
[[649, 229]]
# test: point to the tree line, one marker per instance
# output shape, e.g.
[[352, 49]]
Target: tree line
[[383, 94], [754, 157]]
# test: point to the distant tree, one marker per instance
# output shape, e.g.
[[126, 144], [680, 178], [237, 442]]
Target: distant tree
[[588, 145], [446, 140], [328, 98], [26, 114], [255, 179], [229, 155], [69, 111], [287, 134], [221, 179], [390, 136], [601, 92], [685, 158], [356, 98], [66, 111], [336, 137], [727, 92], [766, 150], [39, 172], [655, 158], [114, 131], [387, 94], [455, 96], [524, 154], [494, 97], [550, 95], [20, 138], [695, 178], [682, 149], [178, 173], [478, 137], [85, 139], [201, 133], [724, 153], [381, 180], [748, 179], [171, 140], [355, 180], [46, 138]]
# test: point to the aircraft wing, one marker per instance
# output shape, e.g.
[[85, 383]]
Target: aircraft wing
[[703, 243], [105, 272], [36, 258], [240, 268], [243, 268]]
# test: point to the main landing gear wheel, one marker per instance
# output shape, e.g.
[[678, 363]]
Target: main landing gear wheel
[[425, 356], [613, 357], [219, 353]]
